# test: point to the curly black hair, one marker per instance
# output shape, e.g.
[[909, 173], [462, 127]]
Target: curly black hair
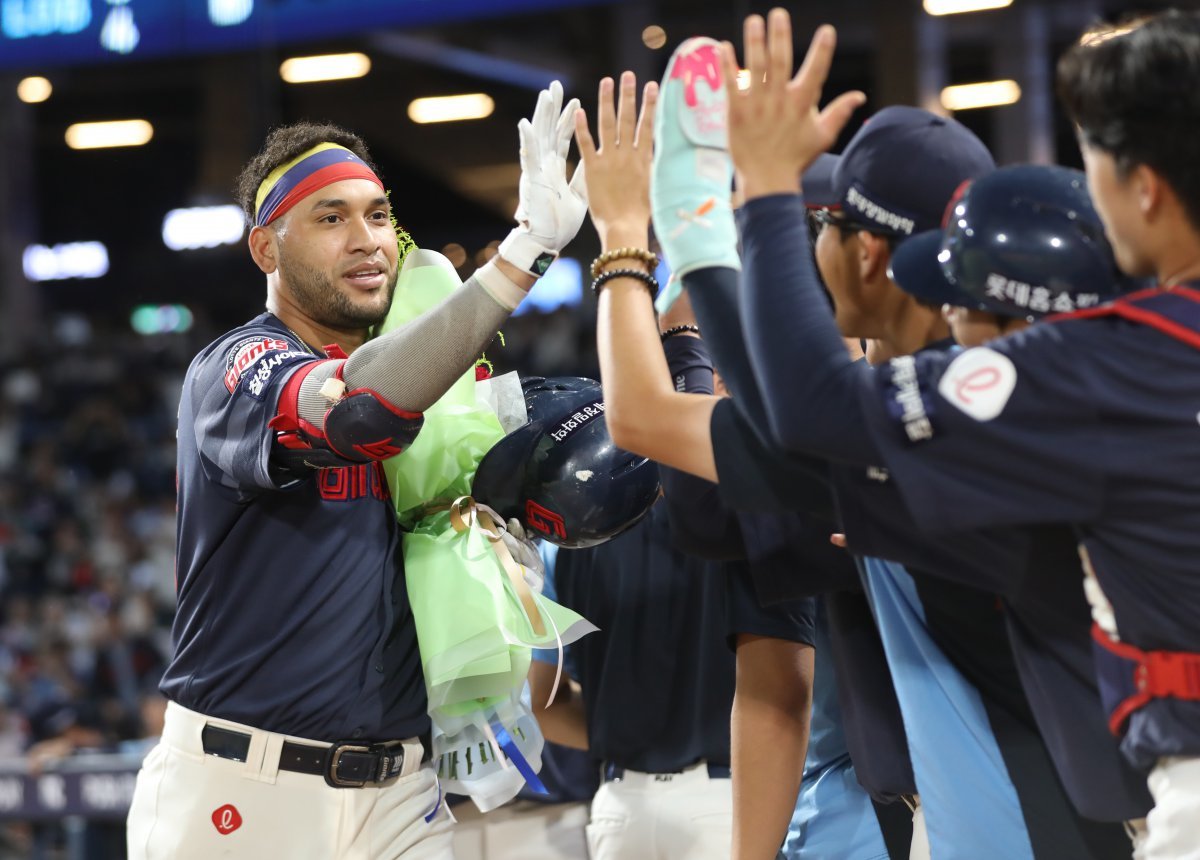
[[285, 143]]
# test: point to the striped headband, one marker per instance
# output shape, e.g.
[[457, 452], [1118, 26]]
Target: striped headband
[[292, 181]]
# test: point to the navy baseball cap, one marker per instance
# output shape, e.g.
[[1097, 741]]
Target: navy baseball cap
[[899, 172]]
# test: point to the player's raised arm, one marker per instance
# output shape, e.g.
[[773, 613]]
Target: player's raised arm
[[644, 413], [408, 369]]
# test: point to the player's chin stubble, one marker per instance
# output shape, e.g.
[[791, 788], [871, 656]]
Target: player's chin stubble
[[320, 299]]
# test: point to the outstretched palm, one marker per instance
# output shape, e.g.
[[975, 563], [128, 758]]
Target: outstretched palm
[[776, 128]]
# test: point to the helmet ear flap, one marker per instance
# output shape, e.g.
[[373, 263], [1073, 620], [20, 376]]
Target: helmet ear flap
[[560, 475]]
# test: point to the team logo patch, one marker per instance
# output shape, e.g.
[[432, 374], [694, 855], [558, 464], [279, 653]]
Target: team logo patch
[[255, 383], [979, 382], [226, 819], [244, 353]]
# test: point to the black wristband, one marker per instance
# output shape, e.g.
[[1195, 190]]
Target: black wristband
[[645, 277], [680, 329]]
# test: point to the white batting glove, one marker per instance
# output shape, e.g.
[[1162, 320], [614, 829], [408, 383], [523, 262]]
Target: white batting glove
[[551, 210]]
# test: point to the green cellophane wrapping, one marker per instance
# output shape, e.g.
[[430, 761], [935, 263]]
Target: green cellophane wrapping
[[474, 637]]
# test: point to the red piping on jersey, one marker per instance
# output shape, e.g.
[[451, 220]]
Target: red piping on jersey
[[1156, 674], [1127, 308]]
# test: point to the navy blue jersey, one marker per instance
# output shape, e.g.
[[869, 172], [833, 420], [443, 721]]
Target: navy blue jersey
[[292, 610], [1036, 573], [754, 479], [1091, 422], [658, 677], [1042, 640]]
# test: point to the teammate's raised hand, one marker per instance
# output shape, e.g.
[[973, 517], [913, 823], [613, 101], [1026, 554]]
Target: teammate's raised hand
[[617, 160], [775, 127]]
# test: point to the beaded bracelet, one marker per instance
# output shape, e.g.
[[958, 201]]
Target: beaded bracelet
[[641, 254], [680, 329], [645, 277]]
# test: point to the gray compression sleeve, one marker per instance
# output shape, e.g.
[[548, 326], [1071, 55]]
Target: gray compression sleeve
[[413, 366]]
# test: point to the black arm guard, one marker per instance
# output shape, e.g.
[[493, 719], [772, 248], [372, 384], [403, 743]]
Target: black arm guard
[[359, 428]]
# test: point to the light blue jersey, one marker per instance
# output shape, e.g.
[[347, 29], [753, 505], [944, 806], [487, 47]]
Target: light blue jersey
[[971, 807], [834, 817]]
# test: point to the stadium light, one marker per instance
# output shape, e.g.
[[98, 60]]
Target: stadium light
[[34, 89], [229, 13], [70, 260], [161, 319], [119, 33], [981, 95], [451, 108], [958, 7], [100, 135], [325, 67], [203, 227]]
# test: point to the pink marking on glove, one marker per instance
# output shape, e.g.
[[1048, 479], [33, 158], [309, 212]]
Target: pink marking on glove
[[700, 64]]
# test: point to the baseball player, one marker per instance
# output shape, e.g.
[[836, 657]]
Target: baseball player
[[1046, 616], [297, 722], [918, 616], [905, 630], [651, 693], [788, 558], [873, 727], [986, 437]]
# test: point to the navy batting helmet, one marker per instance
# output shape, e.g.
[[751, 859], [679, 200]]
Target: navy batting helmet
[[560, 474], [1022, 241]]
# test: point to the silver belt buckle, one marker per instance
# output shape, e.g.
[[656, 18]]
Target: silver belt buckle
[[335, 757]]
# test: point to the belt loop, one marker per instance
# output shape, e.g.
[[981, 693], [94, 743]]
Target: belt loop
[[414, 752], [265, 750]]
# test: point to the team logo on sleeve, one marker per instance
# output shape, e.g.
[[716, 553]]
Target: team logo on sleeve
[[244, 353], [979, 382], [252, 361]]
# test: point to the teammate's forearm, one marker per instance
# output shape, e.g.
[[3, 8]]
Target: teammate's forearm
[[714, 295], [563, 721], [769, 738], [811, 387], [644, 413]]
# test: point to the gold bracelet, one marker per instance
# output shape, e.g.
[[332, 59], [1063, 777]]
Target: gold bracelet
[[647, 257]]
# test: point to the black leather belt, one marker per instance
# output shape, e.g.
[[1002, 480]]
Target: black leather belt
[[614, 772], [344, 764]]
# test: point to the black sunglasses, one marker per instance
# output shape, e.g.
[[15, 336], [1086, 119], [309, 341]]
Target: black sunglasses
[[825, 217], [819, 219]]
